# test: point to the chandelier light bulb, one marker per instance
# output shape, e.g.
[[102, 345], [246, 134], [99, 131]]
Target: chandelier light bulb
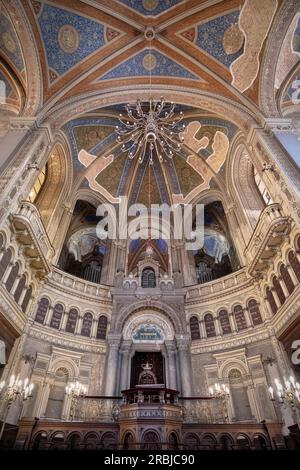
[[154, 123]]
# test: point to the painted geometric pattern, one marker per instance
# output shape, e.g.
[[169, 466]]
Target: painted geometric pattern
[[150, 7], [212, 36], [9, 43], [296, 38], [187, 176], [68, 38], [149, 61]]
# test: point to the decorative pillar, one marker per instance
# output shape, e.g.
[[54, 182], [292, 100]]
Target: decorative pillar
[[49, 316], [125, 379], [63, 323], [292, 274], [94, 328], [276, 298], [217, 326], [112, 364], [232, 322], [79, 325], [183, 345], [172, 370], [202, 329], [247, 318]]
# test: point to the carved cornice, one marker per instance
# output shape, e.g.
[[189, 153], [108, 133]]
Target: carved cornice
[[60, 338]]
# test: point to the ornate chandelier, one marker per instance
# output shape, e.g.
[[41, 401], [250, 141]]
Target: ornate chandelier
[[152, 127]]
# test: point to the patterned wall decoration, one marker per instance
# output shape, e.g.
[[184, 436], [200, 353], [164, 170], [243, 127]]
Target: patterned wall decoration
[[142, 63], [219, 37], [9, 43], [150, 7], [69, 38]]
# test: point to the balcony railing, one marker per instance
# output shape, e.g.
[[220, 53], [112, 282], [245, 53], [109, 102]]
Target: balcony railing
[[270, 232], [31, 234]]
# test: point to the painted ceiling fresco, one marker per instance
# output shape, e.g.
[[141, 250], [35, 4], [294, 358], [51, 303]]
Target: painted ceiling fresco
[[91, 47], [108, 171], [95, 45]]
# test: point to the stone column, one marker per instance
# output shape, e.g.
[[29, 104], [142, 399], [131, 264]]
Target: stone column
[[172, 369], [217, 326], [276, 298], [232, 322], [183, 345], [125, 379], [112, 364], [247, 318]]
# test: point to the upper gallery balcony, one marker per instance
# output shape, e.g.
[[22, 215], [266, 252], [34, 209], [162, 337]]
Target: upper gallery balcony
[[268, 236], [31, 234]]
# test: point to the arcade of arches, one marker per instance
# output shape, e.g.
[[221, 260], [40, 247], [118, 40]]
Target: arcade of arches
[[148, 327]]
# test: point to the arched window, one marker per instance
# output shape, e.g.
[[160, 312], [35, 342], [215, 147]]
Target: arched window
[[271, 300], [72, 321], [20, 288], [42, 310], [102, 327], [87, 324], [38, 184], [5, 260], [254, 312], [209, 325], [56, 316], [294, 263], [148, 278], [26, 299], [12, 277], [224, 322], [278, 290], [287, 278], [194, 326], [240, 319]]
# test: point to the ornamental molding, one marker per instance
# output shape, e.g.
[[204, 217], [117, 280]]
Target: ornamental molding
[[222, 294], [12, 311], [61, 340], [222, 343]]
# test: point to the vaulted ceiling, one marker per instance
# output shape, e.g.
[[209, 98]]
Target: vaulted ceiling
[[93, 47]]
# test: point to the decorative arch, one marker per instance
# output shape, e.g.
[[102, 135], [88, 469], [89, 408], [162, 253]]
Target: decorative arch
[[148, 317], [174, 317]]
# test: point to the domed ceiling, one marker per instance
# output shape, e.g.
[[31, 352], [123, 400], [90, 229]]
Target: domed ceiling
[[92, 47]]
